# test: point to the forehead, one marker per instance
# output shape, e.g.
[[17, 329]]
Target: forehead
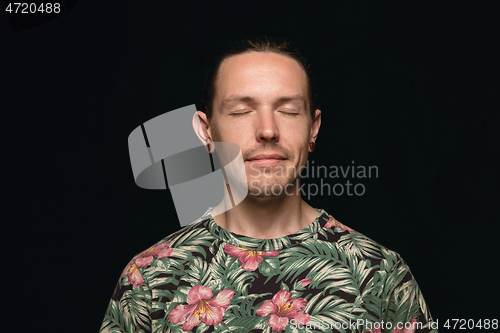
[[260, 75]]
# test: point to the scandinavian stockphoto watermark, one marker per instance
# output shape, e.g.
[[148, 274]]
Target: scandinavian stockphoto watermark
[[333, 180]]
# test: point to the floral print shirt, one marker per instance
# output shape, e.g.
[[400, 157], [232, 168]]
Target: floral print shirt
[[324, 278]]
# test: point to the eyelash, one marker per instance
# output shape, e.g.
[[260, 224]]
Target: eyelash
[[238, 114]]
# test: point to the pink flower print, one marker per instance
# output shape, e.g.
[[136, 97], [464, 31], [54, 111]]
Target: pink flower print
[[144, 259], [201, 307], [305, 282], [134, 276], [249, 259], [334, 223], [158, 250], [282, 308]]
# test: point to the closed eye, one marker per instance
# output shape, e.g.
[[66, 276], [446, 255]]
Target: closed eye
[[290, 113], [240, 113]]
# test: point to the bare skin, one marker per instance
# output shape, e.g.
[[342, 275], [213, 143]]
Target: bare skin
[[261, 104]]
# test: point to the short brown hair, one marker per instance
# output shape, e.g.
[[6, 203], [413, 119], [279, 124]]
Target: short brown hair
[[258, 44]]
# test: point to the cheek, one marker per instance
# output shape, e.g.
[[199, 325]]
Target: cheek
[[238, 135], [299, 140], [217, 136]]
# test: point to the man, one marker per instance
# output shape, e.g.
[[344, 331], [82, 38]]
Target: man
[[273, 262]]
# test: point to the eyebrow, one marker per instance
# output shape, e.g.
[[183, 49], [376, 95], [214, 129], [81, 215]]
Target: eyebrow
[[284, 99]]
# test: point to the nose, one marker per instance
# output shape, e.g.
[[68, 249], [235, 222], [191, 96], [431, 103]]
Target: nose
[[267, 127]]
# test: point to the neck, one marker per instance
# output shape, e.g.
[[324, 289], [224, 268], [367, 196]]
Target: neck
[[265, 218]]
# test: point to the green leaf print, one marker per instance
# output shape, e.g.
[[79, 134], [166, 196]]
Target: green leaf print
[[228, 270], [269, 266]]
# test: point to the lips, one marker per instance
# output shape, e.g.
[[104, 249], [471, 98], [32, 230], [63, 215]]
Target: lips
[[267, 157], [266, 160]]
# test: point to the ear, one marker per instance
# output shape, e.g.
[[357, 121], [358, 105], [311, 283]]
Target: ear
[[200, 126], [316, 124]]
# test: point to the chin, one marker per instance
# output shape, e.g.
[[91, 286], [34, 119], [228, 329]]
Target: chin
[[264, 187]]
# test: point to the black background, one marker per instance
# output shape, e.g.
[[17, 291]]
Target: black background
[[411, 88]]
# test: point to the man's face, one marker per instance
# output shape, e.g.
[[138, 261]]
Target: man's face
[[261, 104]]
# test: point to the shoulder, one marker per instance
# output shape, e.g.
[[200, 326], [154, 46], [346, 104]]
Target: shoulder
[[189, 234], [365, 257], [178, 247], [353, 243]]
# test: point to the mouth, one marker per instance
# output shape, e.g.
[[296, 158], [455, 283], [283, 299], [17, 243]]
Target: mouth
[[266, 160]]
